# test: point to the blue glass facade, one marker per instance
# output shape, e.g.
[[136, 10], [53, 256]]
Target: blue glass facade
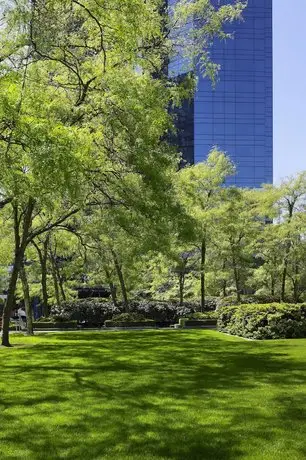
[[237, 115]]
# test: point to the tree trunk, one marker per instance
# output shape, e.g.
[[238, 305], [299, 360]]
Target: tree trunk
[[10, 301], [224, 288], [296, 285], [181, 287], [44, 289], [238, 293], [61, 284], [286, 258], [296, 292], [54, 272], [203, 260], [26, 298], [55, 283], [284, 279], [224, 283], [43, 257], [121, 281], [113, 291], [237, 280], [112, 287], [272, 286], [21, 243]]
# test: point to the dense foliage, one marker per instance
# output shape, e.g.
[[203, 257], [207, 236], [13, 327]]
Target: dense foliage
[[85, 124], [90, 312], [270, 321], [94, 312], [91, 189]]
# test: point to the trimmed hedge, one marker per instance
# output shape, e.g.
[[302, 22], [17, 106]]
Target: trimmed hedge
[[271, 321], [208, 322], [141, 323], [54, 325], [130, 320]]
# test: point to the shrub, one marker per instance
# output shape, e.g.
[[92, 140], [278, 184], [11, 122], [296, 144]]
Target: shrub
[[162, 311], [92, 312], [231, 300], [264, 321], [128, 317], [204, 315], [265, 299], [44, 319], [211, 303]]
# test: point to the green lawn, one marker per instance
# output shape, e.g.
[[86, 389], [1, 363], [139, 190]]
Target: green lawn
[[152, 395]]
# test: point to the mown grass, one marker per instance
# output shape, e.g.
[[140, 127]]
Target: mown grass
[[152, 395]]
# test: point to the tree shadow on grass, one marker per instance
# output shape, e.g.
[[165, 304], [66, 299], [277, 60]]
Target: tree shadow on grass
[[148, 394]]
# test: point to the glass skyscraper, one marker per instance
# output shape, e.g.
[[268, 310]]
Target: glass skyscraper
[[236, 115]]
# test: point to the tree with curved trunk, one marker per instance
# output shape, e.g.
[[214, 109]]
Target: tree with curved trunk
[[22, 226]]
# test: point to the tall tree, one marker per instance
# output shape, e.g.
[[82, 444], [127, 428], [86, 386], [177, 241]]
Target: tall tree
[[286, 203], [239, 225], [200, 191]]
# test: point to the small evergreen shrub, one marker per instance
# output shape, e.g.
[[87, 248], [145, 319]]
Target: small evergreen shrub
[[264, 321]]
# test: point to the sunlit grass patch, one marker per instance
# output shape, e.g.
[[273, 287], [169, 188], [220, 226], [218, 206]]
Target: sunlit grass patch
[[152, 394]]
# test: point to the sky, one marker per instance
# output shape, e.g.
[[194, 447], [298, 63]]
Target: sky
[[289, 23]]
